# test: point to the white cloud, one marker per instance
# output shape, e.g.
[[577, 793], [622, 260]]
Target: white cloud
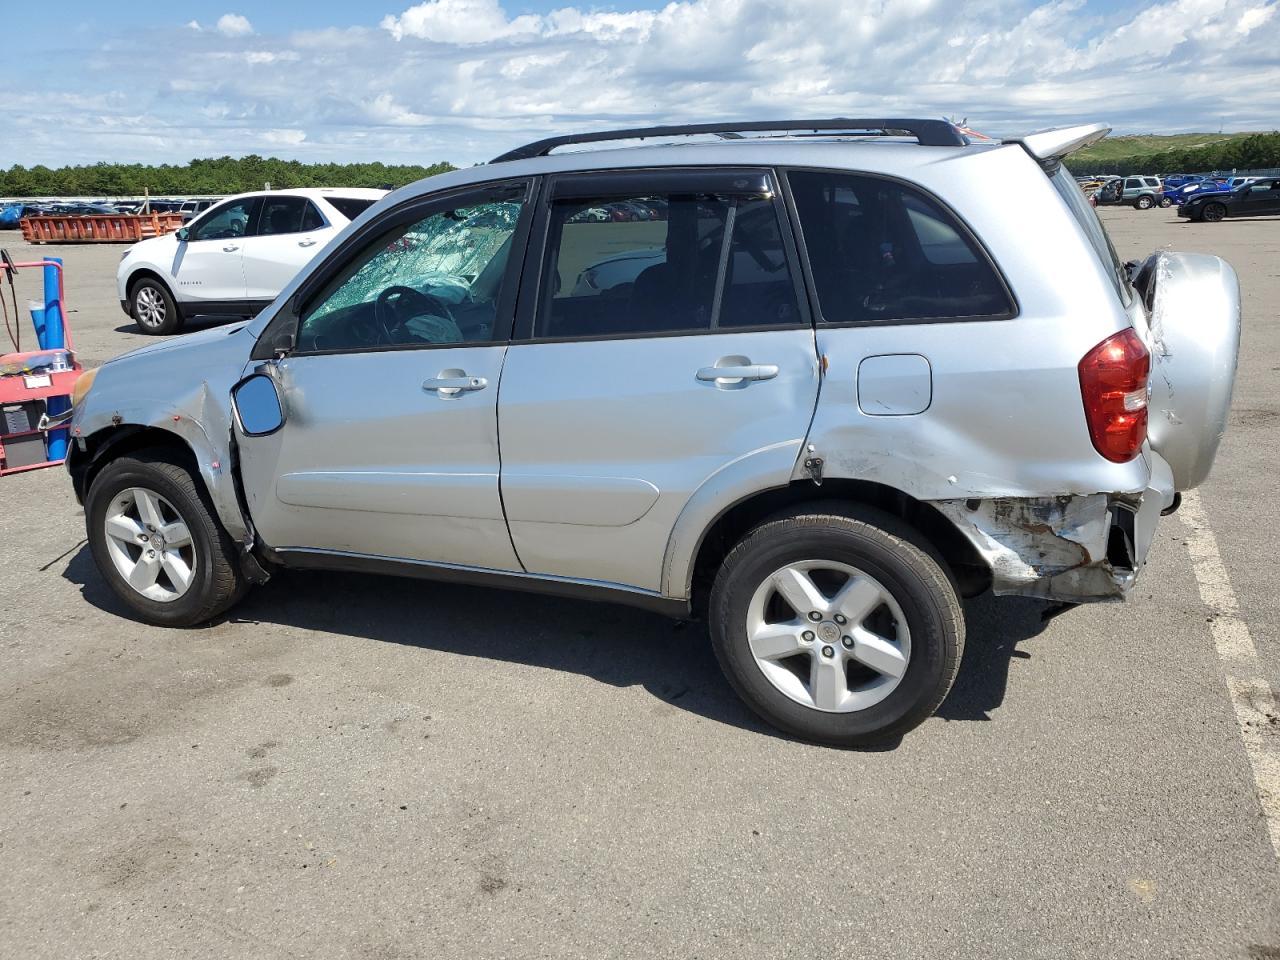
[[194, 25], [465, 79], [234, 25], [284, 138]]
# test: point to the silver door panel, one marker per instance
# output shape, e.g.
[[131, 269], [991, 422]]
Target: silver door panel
[[584, 424], [370, 462]]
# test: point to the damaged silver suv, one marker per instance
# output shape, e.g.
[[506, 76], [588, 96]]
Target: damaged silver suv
[[802, 378]]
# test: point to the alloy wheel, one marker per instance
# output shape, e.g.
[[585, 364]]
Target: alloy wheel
[[150, 544], [149, 306], [828, 636]]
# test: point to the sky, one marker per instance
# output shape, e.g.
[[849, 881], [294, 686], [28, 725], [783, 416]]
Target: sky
[[84, 81]]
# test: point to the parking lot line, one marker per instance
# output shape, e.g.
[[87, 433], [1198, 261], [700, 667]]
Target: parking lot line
[[1256, 709]]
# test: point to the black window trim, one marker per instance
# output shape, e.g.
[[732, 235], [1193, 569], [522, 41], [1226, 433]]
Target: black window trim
[[816, 306], [287, 319], [627, 178]]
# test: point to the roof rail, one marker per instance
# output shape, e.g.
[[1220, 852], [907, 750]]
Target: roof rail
[[930, 133]]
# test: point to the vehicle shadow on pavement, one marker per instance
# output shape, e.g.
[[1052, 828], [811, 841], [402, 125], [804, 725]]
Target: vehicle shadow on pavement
[[617, 645], [994, 626]]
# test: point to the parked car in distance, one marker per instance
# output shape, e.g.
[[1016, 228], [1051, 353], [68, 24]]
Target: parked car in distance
[[190, 208], [1143, 192], [233, 258], [1260, 197], [841, 386]]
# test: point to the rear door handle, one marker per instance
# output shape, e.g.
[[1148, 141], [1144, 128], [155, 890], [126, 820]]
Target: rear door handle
[[231, 248], [453, 385], [738, 373], [306, 243]]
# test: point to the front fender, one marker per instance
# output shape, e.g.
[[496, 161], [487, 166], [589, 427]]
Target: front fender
[[207, 442]]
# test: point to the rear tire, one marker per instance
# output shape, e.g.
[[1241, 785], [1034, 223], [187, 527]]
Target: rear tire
[[1165, 202], [187, 575], [857, 681], [153, 308], [1213, 212], [1144, 202]]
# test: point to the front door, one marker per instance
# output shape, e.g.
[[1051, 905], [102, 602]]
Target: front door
[[1261, 199], [290, 232], [390, 444], [209, 264], [661, 340]]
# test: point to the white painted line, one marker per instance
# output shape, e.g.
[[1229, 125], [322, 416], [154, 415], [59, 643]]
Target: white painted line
[[1256, 708]]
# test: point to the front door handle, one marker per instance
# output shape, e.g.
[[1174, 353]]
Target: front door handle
[[453, 383], [737, 371], [307, 242], [231, 248]]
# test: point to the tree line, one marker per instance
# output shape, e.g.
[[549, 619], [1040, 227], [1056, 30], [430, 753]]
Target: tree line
[[209, 176], [1245, 153]]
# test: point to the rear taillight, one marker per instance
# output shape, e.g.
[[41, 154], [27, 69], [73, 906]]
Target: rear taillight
[[1113, 383]]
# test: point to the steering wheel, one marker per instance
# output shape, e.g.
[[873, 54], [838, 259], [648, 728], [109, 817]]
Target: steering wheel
[[398, 303]]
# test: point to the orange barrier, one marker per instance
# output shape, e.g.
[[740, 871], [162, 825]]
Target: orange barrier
[[99, 228]]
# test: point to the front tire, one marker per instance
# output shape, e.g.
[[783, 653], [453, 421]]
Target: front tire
[[156, 541], [153, 308], [838, 627], [1213, 212]]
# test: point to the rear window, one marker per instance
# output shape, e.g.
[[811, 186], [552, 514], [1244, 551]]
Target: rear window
[[350, 207], [881, 251], [1087, 217]]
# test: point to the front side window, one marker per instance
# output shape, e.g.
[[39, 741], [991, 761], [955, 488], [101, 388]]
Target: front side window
[[664, 263], [288, 215], [432, 281], [881, 251], [229, 220]]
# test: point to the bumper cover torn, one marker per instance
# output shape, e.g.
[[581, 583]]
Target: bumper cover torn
[[1070, 548]]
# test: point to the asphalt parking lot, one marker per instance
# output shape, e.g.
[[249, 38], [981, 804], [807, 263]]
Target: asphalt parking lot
[[365, 768]]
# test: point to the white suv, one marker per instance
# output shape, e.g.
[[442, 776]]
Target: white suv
[[234, 257]]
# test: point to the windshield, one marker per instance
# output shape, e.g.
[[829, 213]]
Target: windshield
[[1087, 217]]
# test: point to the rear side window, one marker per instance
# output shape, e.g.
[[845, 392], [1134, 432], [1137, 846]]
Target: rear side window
[[664, 263], [881, 251], [350, 207], [288, 215]]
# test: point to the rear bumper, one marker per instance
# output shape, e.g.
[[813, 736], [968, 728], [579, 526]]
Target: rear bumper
[[1074, 549]]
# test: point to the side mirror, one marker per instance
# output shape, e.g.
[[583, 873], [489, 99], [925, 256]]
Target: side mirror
[[257, 405], [182, 235]]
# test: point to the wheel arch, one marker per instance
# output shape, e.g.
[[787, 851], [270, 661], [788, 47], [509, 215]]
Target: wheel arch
[[970, 572], [88, 456], [149, 273]]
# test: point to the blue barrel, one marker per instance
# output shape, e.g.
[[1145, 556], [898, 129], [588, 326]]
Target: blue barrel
[[53, 338]]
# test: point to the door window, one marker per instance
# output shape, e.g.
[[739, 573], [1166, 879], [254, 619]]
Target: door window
[[434, 280], [288, 215], [664, 263], [229, 220], [882, 251]]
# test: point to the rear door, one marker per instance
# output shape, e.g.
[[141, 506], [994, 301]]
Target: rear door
[[290, 231], [208, 266], [651, 353]]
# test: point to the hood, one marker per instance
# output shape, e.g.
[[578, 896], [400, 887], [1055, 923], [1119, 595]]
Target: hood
[[185, 343]]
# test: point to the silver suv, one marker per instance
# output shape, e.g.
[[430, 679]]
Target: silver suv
[[814, 386]]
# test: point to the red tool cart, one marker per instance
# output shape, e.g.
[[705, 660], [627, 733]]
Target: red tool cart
[[35, 385]]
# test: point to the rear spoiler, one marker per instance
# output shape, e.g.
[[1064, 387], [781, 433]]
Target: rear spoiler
[[1048, 147]]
